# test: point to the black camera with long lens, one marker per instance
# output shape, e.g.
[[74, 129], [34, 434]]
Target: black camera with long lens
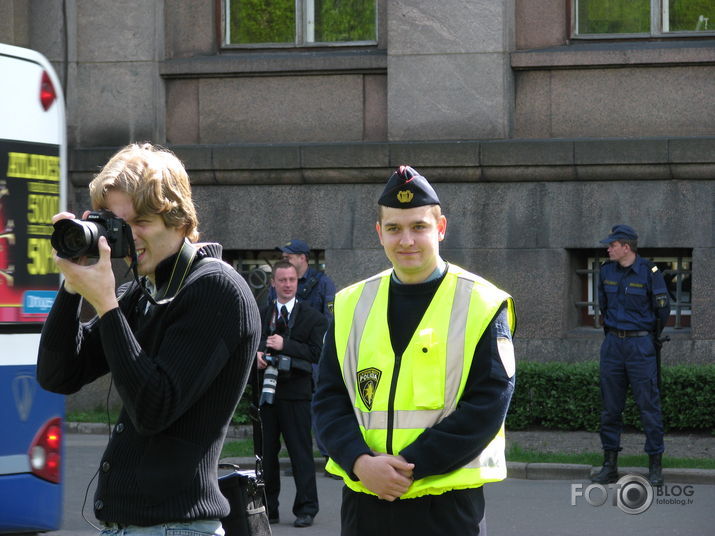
[[277, 365], [268, 389], [281, 362], [80, 238]]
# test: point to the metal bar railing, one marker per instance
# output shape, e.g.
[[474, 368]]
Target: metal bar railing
[[678, 305]]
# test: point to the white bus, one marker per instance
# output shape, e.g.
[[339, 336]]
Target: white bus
[[32, 189]]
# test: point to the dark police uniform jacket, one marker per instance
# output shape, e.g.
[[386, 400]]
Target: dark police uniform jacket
[[633, 298]]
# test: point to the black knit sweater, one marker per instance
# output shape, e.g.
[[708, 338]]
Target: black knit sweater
[[179, 372]]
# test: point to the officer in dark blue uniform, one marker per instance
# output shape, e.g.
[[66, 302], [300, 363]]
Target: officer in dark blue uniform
[[634, 303]]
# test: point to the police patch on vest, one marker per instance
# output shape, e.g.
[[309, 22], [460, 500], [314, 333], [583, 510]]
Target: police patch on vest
[[368, 379], [506, 354]]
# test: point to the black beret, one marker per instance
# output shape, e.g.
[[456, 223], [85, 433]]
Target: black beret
[[407, 189]]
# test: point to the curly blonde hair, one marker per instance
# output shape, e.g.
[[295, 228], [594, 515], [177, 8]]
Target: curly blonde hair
[[157, 182]]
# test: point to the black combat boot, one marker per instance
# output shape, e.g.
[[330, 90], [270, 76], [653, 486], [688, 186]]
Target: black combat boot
[[609, 471], [655, 469]]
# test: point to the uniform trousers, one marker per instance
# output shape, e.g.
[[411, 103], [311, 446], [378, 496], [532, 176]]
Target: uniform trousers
[[458, 512], [624, 361], [291, 419]]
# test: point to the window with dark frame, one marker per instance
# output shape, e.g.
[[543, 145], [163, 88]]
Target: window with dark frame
[[642, 18], [299, 23], [256, 265], [675, 264]]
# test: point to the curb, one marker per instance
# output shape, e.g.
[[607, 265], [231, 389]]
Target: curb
[[70, 427], [518, 470], [543, 471]]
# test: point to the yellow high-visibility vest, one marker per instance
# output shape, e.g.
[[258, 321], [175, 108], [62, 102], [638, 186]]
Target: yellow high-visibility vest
[[432, 371]]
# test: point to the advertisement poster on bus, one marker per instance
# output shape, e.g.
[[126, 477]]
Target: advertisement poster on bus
[[29, 197]]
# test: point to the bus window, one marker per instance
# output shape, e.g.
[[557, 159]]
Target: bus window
[[32, 190]]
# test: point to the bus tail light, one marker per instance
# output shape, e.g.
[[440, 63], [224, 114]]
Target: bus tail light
[[46, 451], [47, 91]]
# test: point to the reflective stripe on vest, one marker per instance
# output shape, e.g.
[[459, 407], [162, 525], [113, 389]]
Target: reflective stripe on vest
[[432, 376]]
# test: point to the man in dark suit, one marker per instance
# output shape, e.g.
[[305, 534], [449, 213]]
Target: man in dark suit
[[291, 341]]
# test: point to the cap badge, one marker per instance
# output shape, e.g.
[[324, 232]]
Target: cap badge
[[405, 196]]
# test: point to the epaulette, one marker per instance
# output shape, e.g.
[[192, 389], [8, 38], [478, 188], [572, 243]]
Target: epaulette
[[653, 266]]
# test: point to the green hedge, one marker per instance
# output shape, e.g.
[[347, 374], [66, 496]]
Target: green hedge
[[566, 396]]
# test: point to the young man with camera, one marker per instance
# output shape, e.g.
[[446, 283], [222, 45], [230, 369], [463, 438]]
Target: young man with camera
[[292, 340], [179, 342]]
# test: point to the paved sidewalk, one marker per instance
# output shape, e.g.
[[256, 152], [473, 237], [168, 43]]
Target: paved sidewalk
[[546, 471], [677, 445], [694, 446]]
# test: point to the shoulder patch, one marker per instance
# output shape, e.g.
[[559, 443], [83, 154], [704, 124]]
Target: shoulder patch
[[654, 269], [506, 354]]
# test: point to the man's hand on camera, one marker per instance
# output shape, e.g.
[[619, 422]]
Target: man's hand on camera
[[94, 282], [83, 260], [274, 342], [260, 362]]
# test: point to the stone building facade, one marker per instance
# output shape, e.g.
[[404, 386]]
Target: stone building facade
[[537, 142]]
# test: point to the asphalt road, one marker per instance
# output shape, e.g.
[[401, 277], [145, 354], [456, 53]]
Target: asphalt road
[[514, 507]]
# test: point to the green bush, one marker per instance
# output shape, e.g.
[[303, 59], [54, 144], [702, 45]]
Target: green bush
[[566, 396], [242, 414]]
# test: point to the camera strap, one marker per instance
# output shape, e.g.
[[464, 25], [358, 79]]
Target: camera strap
[[182, 267], [254, 413]]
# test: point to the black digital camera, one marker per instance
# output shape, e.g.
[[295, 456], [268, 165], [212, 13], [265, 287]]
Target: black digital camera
[[80, 238], [281, 362], [277, 364]]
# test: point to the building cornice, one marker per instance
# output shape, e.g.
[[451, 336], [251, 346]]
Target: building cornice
[[516, 160]]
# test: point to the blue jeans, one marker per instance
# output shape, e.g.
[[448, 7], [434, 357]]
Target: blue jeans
[[201, 527]]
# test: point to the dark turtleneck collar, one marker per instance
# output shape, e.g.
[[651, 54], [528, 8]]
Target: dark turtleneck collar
[[165, 267]]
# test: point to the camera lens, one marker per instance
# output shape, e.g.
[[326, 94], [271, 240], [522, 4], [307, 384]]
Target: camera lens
[[270, 380], [75, 238]]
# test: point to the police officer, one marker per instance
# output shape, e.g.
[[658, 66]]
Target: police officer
[[634, 303], [415, 380]]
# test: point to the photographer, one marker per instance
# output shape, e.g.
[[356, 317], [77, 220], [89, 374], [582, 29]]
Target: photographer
[[179, 365], [292, 339]]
